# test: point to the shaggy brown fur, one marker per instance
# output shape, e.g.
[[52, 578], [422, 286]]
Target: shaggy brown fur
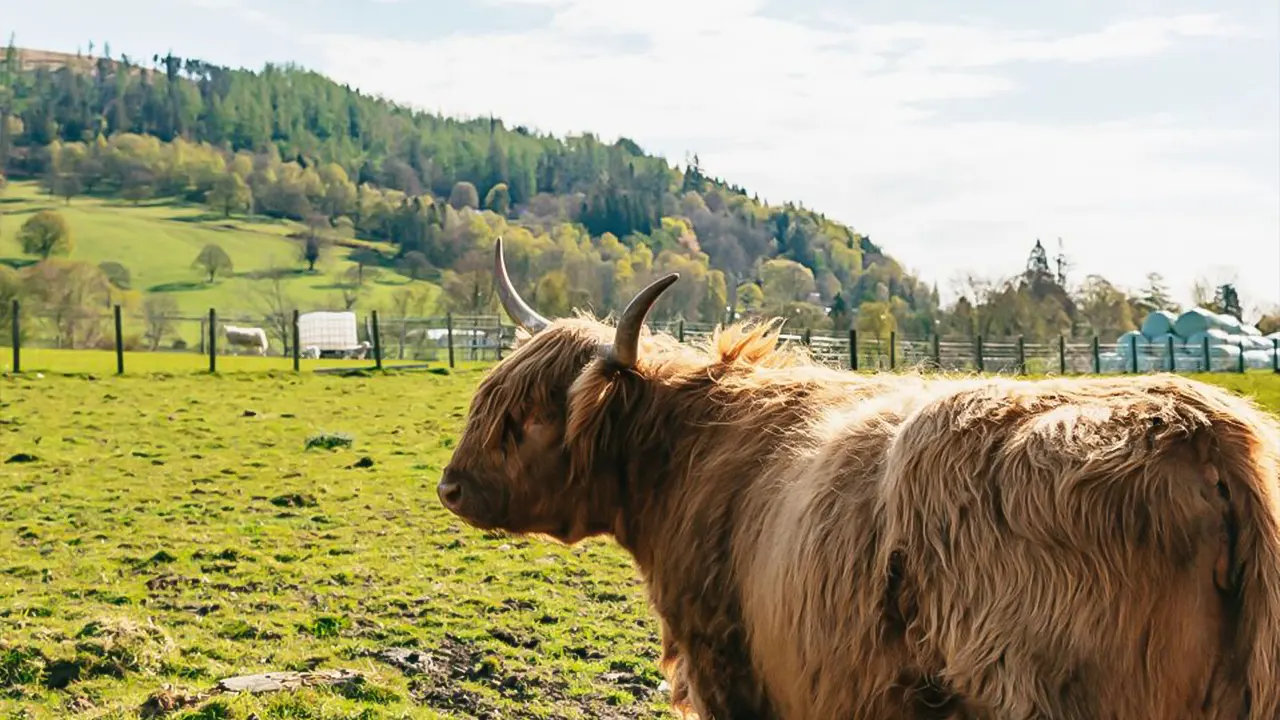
[[821, 544]]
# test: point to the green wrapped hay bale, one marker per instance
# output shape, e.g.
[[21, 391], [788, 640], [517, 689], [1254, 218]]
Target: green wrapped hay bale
[[1198, 320], [1160, 344], [1126, 342], [1230, 324], [1159, 324], [1256, 342], [1257, 359], [1216, 338], [1248, 342], [1194, 322]]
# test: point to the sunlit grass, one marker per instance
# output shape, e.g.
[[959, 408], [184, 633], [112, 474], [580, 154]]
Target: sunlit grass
[[170, 528], [103, 362], [178, 530]]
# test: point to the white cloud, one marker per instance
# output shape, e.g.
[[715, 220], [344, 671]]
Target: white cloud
[[842, 117], [247, 13], [971, 46]]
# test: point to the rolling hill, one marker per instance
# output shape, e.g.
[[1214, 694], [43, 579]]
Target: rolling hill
[[158, 240]]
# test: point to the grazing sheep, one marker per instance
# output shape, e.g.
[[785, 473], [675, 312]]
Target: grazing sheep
[[358, 352], [247, 337]]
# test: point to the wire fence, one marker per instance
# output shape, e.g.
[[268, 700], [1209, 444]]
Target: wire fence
[[1015, 355], [117, 338], [333, 340]]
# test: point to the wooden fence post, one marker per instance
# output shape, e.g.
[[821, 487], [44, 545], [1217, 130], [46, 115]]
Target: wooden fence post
[[377, 341], [853, 349], [213, 340], [893, 350], [17, 338], [1133, 354], [977, 354], [448, 324], [498, 345], [1097, 357], [119, 341], [1062, 355], [806, 338], [1275, 354], [937, 351], [1204, 347], [1022, 356], [1240, 362], [680, 330], [1168, 347], [297, 340]]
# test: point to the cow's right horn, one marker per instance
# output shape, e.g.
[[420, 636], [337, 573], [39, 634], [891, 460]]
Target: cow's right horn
[[626, 339], [519, 311]]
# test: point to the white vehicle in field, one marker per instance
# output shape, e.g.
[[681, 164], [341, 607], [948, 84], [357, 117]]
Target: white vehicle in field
[[330, 334]]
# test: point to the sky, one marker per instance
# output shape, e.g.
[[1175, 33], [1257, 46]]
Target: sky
[[1145, 134]]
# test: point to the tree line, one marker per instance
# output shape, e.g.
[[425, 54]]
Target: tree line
[[289, 143], [587, 223]]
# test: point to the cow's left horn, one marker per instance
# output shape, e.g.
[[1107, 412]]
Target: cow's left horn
[[516, 307], [626, 339]]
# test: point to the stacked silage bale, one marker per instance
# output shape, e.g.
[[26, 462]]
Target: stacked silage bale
[[1192, 335]]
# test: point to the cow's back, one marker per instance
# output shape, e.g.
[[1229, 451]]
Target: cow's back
[[1061, 547]]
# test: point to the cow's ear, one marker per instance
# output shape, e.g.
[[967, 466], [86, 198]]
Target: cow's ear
[[622, 354]]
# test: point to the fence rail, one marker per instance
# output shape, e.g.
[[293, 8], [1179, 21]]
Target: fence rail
[[471, 338]]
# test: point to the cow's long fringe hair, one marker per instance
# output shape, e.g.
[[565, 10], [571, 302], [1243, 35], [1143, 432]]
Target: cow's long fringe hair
[[875, 468]]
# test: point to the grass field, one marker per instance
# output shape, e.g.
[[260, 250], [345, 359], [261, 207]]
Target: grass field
[[161, 533], [103, 362], [158, 241]]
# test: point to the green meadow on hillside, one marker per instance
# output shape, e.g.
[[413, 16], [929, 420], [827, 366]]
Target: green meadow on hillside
[[158, 241], [160, 533]]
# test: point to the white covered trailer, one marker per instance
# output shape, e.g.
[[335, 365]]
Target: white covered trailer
[[330, 333]]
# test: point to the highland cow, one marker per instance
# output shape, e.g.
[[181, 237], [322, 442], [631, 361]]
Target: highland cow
[[822, 544]]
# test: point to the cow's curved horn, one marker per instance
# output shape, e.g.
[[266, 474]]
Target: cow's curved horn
[[519, 311], [626, 339]]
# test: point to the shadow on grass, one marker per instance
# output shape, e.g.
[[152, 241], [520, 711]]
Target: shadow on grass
[[218, 220], [180, 286], [332, 286], [149, 203], [394, 281], [222, 220], [18, 263], [268, 274], [32, 209]]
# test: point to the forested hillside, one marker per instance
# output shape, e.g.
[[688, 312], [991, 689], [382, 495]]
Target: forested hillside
[[587, 223]]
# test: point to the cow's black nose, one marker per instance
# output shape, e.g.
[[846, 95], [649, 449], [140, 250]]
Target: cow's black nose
[[450, 492]]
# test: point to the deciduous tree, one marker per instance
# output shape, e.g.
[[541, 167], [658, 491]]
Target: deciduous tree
[[214, 261], [46, 234]]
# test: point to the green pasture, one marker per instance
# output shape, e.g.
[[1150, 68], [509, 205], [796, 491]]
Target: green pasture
[[167, 529], [103, 362]]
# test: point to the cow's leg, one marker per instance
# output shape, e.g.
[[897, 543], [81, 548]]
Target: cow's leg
[[721, 682]]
